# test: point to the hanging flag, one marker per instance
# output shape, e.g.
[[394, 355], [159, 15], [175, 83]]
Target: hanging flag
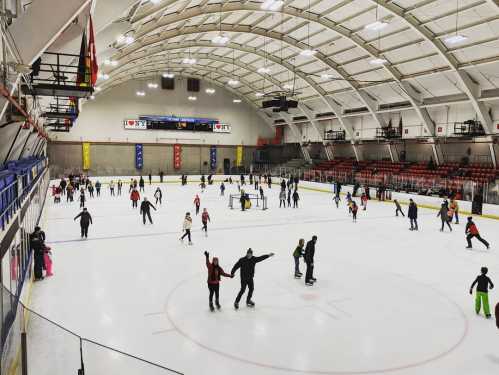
[[213, 157], [82, 62], [177, 156], [139, 156], [86, 155], [94, 66], [239, 156]]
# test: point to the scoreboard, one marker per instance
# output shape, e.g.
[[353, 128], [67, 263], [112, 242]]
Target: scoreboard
[[196, 124]]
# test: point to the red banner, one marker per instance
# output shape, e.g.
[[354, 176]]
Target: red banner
[[177, 156]]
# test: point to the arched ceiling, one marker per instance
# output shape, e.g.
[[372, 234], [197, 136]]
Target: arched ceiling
[[420, 61]]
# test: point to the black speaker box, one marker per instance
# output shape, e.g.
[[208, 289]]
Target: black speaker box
[[167, 83], [193, 84]]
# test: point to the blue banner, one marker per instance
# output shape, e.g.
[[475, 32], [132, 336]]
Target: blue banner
[[139, 156], [213, 157]]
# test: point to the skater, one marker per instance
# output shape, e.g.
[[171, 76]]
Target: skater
[[289, 197], [355, 208], [242, 200], [296, 198], [69, 191], [97, 187], [37, 242], [282, 198], [197, 203], [161, 176], [222, 189], [363, 201], [412, 214], [444, 216], [111, 187], [150, 178], [158, 195], [205, 217], [454, 206], [283, 184], [243, 182], [309, 261], [63, 185], [297, 254], [134, 197], [120, 186], [214, 275], [141, 184], [247, 272], [47, 260], [337, 200], [398, 208], [261, 193], [145, 209], [238, 187], [202, 185], [186, 226], [130, 187], [472, 231], [90, 188], [482, 292], [256, 183], [269, 181], [230, 180], [82, 198], [85, 221]]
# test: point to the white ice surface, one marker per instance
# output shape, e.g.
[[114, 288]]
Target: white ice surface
[[387, 299]]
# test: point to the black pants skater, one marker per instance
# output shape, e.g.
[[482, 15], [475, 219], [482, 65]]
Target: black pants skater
[[397, 212], [309, 274], [97, 191], [158, 200], [112, 191], [188, 234], [148, 213], [295, 204], [134, 204], [214, 290], [445, 221], [39, 264], [84, 230], [477, 236], [244, 284], [414, 224], [297, 265]]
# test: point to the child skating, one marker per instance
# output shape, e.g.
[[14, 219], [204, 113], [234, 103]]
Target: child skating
[[297, 254], [186, 227], [337, 200], [158, 195], [472, 231], [214, 276], [205, 218], [398, 208], [482, 292], [197, 203]]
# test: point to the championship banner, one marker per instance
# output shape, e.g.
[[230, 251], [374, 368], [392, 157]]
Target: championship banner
[[177, 156], [239, 156], [86, 155], [213, 157], [139, 156]]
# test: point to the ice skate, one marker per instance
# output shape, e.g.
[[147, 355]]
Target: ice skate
[[211, 307], [309, 283], [190, 243], [298, 275], [218, 306], [236, 305], [250, 304]]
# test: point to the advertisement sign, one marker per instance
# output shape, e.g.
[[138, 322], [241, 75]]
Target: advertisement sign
[[86, 155], [177, 156], [135, 124], [139, 156], [221, 128], [213, 157]]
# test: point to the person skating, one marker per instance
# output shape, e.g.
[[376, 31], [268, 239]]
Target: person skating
[[158, 195], [243, 182], [412, 214], [130, 187], [246, 265], [289, 196], [454, 206], [355, 209], [256, 183], [297, 254], [69, 191], [242, 200], [269, 181], [85, 221], [202, 185], [98, 185], [90, 188], [398, 208], [444, 216], [141, 184], [82, 198], [150, 179], [205, 218], [472, 231], [37, 241], [215, 272], [282, 198], [63, 185], [222, 189], [134, 197], [161, 176], [145, 210], [309, 261], [296, 198], [483, 284], [111, 188], [261, 193], [337, 200], [197, 203], [283, 184], [186, 227], [120, 186], [363, 201]]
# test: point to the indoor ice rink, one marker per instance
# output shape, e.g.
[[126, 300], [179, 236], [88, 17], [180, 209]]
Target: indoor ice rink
[[249, 187]]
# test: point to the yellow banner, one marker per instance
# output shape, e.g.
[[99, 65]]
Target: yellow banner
[[239, 156], [86, 156]]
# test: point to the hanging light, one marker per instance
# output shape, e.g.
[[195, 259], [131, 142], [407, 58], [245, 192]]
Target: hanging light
[[210, 91], [326, 76], [376, 26], [233, 82], [152, 85], [168, 75], [258, 94], [455, 39], [236, 101], [188, 60], [378, 61], [220, 39], [263, 70], [192, 98], [307, 52], [140, 93]]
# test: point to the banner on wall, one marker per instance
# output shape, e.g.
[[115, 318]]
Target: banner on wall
[[86, 155], [239, 156], [139, 156], [177, 156], [213, 157]]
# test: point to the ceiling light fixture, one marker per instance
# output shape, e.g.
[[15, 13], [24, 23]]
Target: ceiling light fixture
[[455, 39], [210, 91], [307, 52], [152, 85], [263, 70], [258, 94], [168, 75], [376, 26], [236, 101], [233, 82], [140, 93], [272, 5], [129, 39], [189, 60], [220, 39], [155, 1], [378, 61], [192, 98], [326, 76]]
